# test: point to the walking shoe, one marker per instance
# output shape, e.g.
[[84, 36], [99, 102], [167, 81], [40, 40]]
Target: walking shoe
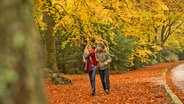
[[107, 91], [93, 92]]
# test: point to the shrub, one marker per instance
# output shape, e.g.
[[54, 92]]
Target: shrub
[[121, 51], [153, 62], [58, 79], [169, 56]]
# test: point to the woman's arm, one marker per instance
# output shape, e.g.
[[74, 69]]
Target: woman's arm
[[84, 60], [86, 56]]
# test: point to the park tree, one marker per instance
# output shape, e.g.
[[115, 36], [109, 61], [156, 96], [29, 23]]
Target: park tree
[[42, 10], [168, 25], [172, 24], [20, 59], [137, 20]]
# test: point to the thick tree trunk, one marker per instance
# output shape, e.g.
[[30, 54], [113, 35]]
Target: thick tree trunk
[[20, 71], [50, 42], [50, 39]]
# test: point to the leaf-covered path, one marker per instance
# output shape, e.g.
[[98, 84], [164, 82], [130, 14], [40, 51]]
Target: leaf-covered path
[[141, 86], [175, 80]]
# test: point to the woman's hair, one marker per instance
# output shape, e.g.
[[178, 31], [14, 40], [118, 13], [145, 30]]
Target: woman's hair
[[86, 49]]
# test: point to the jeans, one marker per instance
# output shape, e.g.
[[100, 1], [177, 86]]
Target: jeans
[[92, 78], [104, 76]]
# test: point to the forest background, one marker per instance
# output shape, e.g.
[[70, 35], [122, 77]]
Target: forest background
[[136, 32]]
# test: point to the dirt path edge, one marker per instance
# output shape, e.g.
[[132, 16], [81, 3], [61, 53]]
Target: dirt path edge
[[173, 96]]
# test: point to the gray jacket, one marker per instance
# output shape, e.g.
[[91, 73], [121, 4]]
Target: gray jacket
[[102, 57]]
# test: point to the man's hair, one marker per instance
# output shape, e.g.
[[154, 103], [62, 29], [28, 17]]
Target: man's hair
[[100, 44]]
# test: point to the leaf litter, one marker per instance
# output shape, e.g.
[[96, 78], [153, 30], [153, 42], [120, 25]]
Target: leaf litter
[[140, 86]]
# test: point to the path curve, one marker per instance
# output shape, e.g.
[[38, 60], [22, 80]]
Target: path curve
[[175, 83], [178, 77]]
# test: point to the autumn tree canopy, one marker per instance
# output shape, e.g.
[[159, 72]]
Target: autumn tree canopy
[[150, 25]]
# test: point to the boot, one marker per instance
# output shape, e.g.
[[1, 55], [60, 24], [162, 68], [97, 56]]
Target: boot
[[93, 92]]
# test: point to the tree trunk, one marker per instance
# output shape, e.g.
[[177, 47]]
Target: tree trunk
[[50, 41], [20, 71]]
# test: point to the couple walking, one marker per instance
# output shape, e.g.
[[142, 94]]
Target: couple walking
[[97, 59]]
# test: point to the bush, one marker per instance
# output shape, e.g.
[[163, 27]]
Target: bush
[[121, 51], [153, 62], [69, 59], [58, 79], [137, 63], [169, 56], [181, 55]]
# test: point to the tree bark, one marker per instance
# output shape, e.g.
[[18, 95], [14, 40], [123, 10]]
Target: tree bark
[[50, 40], [50, 43], [20, 69]]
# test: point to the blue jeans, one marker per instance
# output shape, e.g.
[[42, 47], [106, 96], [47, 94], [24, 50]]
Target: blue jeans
[[104, 76], [92, 78]]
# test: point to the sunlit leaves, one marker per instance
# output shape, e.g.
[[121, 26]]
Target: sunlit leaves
[[90, 21]]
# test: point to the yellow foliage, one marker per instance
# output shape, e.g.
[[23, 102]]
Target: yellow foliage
[[80, 21]]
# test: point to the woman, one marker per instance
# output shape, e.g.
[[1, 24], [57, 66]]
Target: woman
[[91, 64], [103, 59]]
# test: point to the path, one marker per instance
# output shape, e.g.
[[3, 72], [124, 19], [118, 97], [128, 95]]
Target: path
[[175, 80], [142, 86], [178, 77]]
